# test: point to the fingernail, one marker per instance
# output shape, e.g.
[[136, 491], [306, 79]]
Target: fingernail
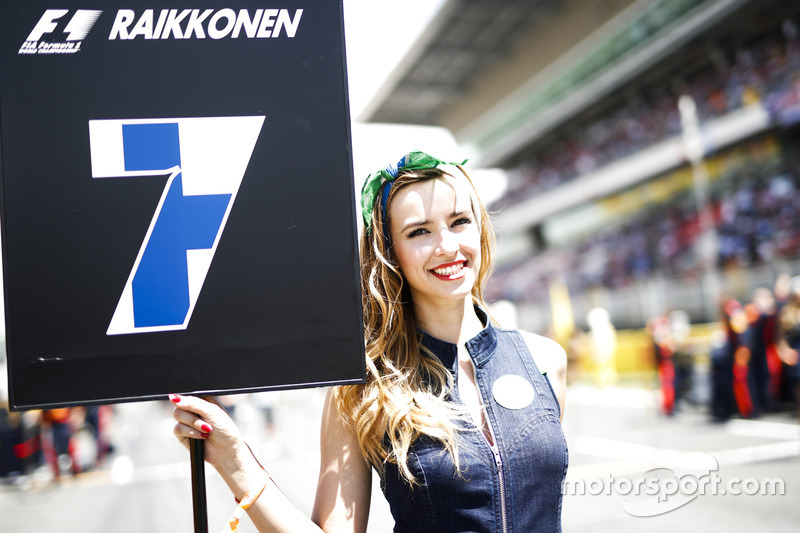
[[174, 398], [205, 435], [205, 427]]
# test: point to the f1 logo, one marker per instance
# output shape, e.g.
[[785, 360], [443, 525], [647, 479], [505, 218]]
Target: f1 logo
[[76, 30], [205, 159]]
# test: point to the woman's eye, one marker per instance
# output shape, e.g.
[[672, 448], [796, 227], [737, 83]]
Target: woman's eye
[[464, 220], [416, 232]]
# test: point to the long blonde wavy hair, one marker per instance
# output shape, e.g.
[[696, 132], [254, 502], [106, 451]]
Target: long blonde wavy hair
[[407, 389]]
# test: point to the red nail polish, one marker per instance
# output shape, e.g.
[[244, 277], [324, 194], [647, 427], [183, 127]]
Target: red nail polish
[[174, 398], [205, 427], [205, 435]]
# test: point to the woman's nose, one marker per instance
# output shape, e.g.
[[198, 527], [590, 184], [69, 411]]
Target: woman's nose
[[448, 243]]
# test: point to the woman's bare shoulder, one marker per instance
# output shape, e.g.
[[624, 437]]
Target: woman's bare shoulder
[[551, 359], [549, 356]]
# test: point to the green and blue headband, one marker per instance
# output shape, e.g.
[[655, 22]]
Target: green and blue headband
[[372, 185]]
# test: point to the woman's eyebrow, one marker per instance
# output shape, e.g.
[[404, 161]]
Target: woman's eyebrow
[[414, 224], [418, 223]]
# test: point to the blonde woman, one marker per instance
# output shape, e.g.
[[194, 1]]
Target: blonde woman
[[459, 418]]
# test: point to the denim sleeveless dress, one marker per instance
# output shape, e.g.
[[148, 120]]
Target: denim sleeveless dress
[[513, 485]]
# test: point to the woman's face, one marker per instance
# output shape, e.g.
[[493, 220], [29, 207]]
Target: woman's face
[[437, 241]]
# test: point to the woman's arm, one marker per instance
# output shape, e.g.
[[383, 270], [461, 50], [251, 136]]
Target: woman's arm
[[550, 358], [227, 452], [345, 478]]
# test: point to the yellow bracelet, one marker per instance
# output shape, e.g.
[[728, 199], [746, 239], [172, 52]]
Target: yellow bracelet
[[247, 500]]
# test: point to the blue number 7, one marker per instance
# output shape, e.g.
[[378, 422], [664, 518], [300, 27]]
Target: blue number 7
[[176, 254]]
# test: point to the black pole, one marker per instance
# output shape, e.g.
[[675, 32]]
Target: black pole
[[197, 457]]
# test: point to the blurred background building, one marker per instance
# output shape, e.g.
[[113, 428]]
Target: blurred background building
[[617, 197]]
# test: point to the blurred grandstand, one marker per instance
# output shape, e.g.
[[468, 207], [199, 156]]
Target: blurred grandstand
[[577, 100]]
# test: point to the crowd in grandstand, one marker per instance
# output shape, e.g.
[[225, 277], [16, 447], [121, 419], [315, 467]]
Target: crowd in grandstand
[[767, 71], [756, 220], [759, 221], [753, 204]]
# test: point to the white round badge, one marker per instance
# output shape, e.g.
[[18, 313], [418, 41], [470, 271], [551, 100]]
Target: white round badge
[[513, 392]]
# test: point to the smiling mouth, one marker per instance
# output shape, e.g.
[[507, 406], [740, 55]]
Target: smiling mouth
[[450, 271]]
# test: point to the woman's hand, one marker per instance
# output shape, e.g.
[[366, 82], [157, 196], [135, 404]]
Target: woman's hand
[[343, 493], [204, 418]]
